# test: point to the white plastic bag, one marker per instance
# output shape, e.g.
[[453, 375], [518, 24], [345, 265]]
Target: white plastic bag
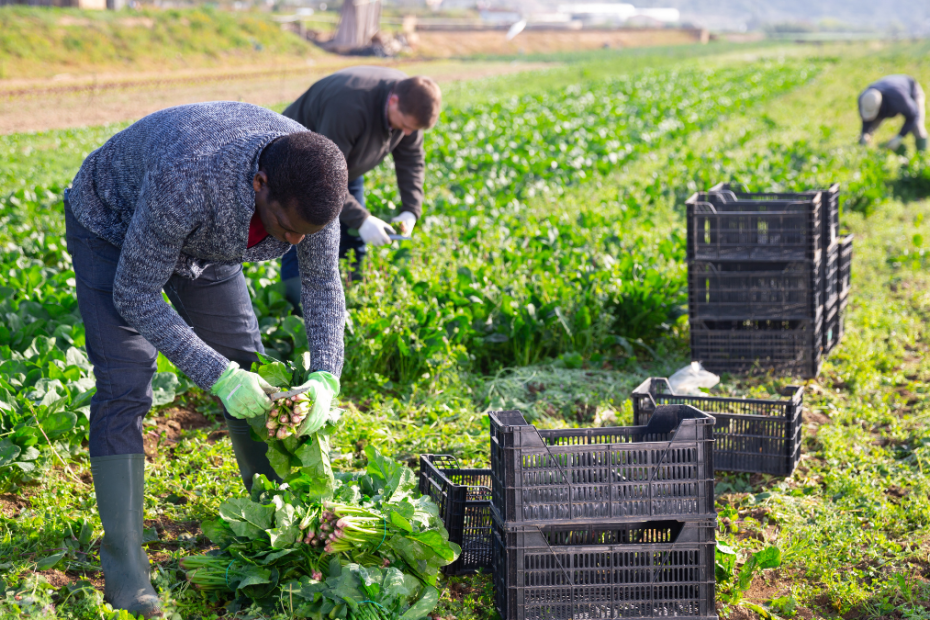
[[691, 378]]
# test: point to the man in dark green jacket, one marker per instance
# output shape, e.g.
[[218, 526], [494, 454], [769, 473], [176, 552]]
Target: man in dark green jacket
[[369, 112]]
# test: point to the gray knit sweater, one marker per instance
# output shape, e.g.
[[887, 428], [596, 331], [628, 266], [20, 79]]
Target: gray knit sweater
[[174, 192]]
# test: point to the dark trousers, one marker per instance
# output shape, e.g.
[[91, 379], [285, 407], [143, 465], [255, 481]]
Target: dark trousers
[[216, 305], [347, 242]]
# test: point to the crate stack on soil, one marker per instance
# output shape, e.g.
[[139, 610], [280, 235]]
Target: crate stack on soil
[[764, 279], [604, 522], [750, 435]]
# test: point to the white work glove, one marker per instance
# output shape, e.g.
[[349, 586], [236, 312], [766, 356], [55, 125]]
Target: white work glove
[[865, 139], [375, 231], [894, 143], [405, 221]]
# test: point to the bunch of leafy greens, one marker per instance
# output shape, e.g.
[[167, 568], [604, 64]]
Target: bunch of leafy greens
[[301, 456], [292, 536], [354, 592]]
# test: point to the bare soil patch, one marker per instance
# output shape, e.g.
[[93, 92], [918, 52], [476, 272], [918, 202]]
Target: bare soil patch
[[446, 44], [11, 505], [170, 426], [122, 97]]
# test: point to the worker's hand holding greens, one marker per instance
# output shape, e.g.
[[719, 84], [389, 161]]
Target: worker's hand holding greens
[[405, 222], [323, 389], [244, 393], [374, 231]]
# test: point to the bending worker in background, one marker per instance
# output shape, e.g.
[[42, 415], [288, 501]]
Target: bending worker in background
[[888, 97], [369, 112], [176, 203]]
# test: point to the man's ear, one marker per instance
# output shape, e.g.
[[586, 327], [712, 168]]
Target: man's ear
[[259, 181]]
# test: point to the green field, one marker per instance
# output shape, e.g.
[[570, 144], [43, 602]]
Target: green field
[[548, 275], [44, 42]]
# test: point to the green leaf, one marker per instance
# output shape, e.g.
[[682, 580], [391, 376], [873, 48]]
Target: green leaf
[[8, 452], [86, 534], [275, 373], [398, 520], [315, 465], [57, 424], [219, 532], [257, 582], [389, 477], [164, 388], [49, 562], [273, 556], [440, 545], [279, 460], [246, 518], [284, 537], [423, 606], [770, 557]]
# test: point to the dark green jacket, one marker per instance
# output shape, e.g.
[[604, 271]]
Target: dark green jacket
[[350, 108]]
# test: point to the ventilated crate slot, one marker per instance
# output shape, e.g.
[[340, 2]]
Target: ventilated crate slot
[[663, 469], [747, 230], [750, 435], [754, 290], [793, 347], [635, 570]]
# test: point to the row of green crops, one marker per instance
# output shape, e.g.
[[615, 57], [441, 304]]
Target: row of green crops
[[503, 270], [488, 284]]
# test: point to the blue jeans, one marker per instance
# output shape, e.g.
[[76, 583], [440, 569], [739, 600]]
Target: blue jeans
[[347, 242], [216, 305]]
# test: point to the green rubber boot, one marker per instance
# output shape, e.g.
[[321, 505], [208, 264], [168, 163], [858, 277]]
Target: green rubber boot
[[921, 144], [119, 483], [250, 454]]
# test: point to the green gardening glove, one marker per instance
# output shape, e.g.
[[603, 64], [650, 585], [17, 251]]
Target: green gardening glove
[[244, 393], [318, 399]]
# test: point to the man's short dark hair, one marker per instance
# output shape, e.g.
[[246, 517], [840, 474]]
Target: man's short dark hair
[[420, 98], [308, 169]]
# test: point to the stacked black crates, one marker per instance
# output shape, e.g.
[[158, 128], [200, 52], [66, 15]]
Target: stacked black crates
[[836, 316], [763, 274], [604, 522]]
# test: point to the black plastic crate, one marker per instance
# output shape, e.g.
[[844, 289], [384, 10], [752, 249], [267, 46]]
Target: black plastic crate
[[831, 269], [753, 231], [845, 264], [835, 325], [754, 290], [588, 475], [831, 203], [464, 500], [753, 435], [655, 569], [784, 347]]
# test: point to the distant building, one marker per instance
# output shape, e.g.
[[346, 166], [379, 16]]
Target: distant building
[[594, 13]]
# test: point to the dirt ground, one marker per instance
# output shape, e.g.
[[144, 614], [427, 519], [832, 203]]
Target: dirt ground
[[27, 106], [447, 44]]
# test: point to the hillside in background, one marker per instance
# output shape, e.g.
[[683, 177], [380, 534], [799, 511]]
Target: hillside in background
[[43, 42], [909, 16]]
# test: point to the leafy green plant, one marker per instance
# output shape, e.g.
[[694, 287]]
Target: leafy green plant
[[732, 583]]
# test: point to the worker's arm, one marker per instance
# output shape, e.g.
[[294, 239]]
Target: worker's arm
[[322, 298], [410, 164], [161, 223]]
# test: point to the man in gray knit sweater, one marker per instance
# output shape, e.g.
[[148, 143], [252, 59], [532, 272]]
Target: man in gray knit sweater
[[176, 203]]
